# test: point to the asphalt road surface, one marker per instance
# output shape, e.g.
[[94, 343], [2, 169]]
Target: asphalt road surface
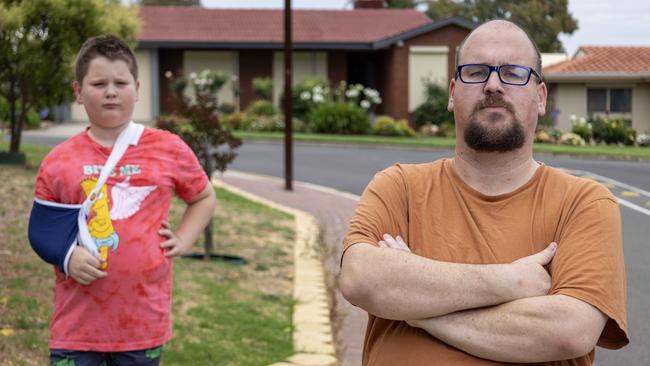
[[350, 168]]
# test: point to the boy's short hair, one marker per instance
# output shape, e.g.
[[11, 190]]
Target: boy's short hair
[[108, 46]]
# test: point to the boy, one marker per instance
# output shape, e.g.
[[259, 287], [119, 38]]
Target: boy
[[114, 309]]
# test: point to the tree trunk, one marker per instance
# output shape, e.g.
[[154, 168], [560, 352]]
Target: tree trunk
[[207, 232]]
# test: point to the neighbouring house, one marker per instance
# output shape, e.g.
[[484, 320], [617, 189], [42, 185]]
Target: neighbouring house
[[391, 50], [602, 81]]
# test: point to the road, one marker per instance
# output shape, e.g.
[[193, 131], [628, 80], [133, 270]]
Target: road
[[350, 168]]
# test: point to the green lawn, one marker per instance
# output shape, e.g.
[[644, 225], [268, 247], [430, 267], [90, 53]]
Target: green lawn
[[223, 314], [615, 152]]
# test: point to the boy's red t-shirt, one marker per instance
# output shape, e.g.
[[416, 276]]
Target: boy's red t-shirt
[[129, 309]]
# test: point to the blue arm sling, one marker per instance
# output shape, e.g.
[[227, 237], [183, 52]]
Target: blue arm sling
[[55, 228]]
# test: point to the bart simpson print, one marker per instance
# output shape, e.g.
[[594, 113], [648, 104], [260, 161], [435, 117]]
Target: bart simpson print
[[100, 225]]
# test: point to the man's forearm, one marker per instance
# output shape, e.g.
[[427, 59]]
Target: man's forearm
[[397, 285], [534, 329]]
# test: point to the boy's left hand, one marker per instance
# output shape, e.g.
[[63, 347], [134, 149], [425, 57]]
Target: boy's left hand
[[174, 245]]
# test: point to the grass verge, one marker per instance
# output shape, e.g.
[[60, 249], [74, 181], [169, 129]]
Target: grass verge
[[223, 314], [615, 152]]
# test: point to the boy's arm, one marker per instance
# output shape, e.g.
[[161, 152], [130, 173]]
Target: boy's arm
[[198, 213]]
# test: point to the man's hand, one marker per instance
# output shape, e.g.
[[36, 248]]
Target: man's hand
[[83, 267], [174, 245], [532, 278], [394, 243]]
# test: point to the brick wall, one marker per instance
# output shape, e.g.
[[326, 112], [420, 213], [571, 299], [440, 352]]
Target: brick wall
[[252, 64]]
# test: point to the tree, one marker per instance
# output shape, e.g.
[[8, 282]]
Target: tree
[[197, 123], [39, 40], [544, 20], [170, 2]]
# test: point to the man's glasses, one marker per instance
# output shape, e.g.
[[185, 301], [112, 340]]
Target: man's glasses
[[508, 74]]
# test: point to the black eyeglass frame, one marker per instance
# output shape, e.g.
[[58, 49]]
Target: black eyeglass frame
[[496, 69]]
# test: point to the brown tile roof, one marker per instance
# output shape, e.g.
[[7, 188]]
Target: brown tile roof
[[188, 24], [604, 59]]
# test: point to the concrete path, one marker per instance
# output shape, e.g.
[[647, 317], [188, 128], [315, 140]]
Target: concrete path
[[332, 210]]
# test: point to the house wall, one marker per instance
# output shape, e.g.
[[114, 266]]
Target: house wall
[[305, 65], [170, 59], [337, 67], [143, 108], [426, 64], [641, 108], [571, 99], [252, 64], [395, 66], [224, 61]]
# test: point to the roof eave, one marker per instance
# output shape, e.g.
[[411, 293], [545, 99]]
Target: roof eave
[[257, 45], [455, 20], [597, 76]]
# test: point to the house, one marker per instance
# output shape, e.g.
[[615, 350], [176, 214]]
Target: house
[[391, 50], [602, 81]]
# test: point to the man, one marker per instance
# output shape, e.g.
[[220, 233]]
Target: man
[[507, 260]]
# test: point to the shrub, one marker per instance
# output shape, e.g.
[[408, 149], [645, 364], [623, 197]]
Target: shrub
[[434, 109], [236, 121], [306, 94], [630, 136], [609, 131], [643, 139], [338, 118], [548, 135], [387, 126], [581, 127], [226, 107], [263, 87], [266, 123], [262, 108], [572, 139]]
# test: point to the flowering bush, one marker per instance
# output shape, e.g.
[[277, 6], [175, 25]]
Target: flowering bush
[[612, 131], [581, 127], [434, 109], [572, 139], [643, 139], [263, 87]]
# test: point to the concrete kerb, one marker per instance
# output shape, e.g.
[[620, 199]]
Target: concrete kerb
[[312, 334]]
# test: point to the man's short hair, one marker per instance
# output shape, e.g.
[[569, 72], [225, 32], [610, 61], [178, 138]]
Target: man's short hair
[[108, 46], [538, 55]]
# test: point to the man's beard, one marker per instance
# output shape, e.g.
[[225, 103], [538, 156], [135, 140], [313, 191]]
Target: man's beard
[[486, 138]]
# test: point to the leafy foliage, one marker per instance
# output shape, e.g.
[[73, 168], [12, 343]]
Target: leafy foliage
[[434, 109], [387, 126], [544, 20], [338, 118], [263, 87], [39, 40]]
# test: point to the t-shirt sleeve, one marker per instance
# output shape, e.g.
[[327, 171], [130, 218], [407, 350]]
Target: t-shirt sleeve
[[589, 266], [190, 178], [43, 185], [382, 210]]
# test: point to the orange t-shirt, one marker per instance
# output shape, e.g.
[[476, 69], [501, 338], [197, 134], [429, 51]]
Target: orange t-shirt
[[442, 218], [130, 308]]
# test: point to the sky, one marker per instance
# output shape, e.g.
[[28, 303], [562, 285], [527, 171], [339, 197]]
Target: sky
[[600, 22]]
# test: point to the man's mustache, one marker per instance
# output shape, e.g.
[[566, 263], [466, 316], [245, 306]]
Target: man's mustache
[[494, 100]]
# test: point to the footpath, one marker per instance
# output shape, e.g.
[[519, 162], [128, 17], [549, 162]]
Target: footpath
[[332, 210]]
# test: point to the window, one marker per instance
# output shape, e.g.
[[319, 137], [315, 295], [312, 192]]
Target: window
[[620, 100], [609, 100]]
